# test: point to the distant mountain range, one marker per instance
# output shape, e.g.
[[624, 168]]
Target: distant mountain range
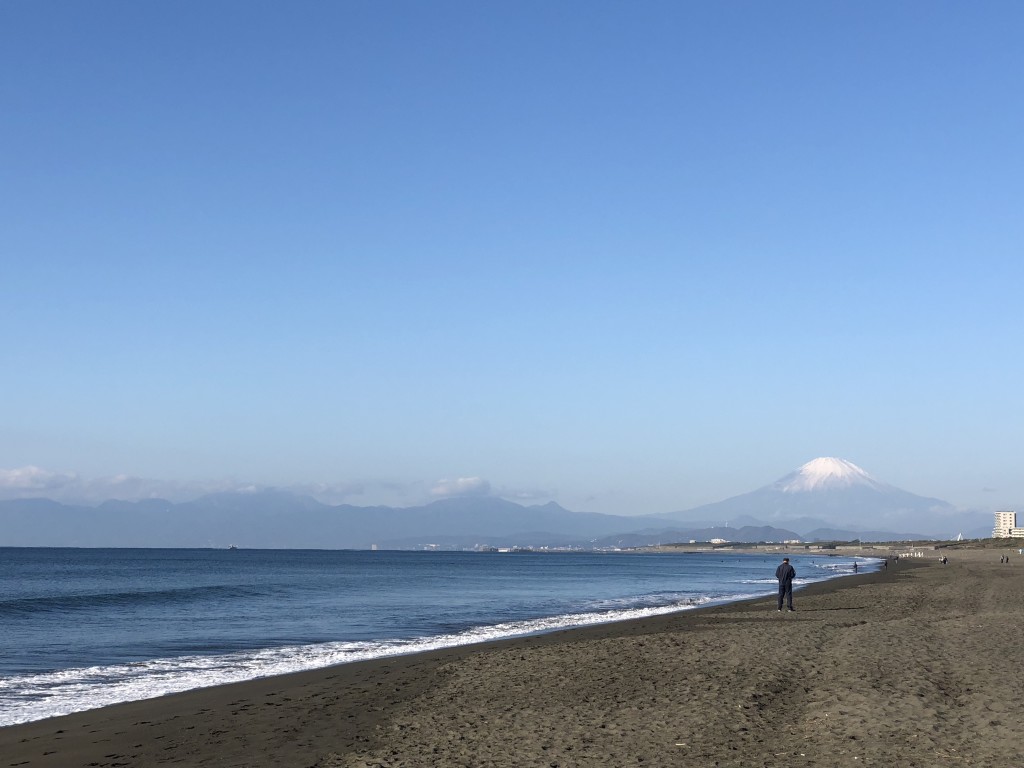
[[280, 519], [819, 501]]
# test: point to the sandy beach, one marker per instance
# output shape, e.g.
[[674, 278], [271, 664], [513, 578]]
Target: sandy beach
[[917, 665]]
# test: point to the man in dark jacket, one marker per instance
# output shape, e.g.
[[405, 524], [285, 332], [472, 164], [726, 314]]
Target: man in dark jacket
[[785, 573]]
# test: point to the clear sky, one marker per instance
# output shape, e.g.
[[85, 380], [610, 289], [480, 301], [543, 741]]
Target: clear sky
[[630, 257]]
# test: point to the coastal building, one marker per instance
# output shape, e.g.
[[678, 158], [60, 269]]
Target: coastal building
[[1006, 526]]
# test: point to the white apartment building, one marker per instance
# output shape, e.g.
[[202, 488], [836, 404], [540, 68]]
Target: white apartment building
[[1006, 526]]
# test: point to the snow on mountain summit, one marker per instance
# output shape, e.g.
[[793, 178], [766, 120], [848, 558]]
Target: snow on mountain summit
[[829, 497], [825, 473]]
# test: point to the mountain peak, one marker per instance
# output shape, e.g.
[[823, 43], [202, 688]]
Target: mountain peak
[[824, 473]]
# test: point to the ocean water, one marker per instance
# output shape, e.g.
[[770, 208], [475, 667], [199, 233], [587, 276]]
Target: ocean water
[[84, 628]]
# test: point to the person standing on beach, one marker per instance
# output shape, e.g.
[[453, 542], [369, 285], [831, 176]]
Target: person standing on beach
[[785, 573]]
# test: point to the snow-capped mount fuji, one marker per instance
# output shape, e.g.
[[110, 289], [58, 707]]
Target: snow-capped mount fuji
[[826, 473], [828, 497]]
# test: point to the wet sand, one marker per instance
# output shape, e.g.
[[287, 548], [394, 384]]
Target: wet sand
[[917, 665]]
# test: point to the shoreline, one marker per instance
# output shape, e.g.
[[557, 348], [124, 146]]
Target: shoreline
[[57, 693], [479, 635], [726, 682]]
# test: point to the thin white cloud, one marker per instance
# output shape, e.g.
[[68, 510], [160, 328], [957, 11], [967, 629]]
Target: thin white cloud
[[70, 488], [462, 486], [30, 479], [526, 495]]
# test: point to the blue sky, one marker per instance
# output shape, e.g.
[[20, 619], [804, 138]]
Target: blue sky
[[631, 257]]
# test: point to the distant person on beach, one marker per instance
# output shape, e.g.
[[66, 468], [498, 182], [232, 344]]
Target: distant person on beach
[[785, 573]]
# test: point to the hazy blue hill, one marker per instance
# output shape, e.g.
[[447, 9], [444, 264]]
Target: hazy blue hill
[[843, 534], [39, 522], [743, 535], [494, 515], [157, 506], [44, 523], [279, 519], [867, 506]]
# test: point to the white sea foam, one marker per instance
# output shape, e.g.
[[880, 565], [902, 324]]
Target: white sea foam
[[24, 698]]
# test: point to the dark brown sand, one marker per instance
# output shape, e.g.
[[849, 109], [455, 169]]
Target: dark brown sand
[[919, 665]]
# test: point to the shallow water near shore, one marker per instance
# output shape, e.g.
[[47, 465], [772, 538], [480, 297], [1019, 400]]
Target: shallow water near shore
[[84, 628]]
